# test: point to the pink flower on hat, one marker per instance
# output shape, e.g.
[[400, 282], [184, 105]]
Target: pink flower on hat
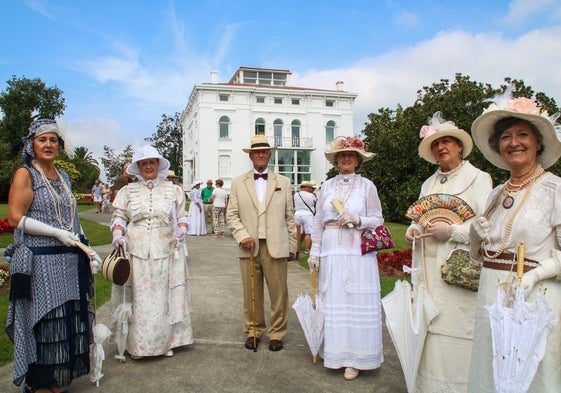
[[426, 131], [518, 105], [348, 143]]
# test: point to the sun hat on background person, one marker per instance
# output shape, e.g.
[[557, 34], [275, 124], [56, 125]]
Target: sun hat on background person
[[349, 143], [483, 129], [438, 128], [144, 153], [259, 142], [196, 183], [308, 183]]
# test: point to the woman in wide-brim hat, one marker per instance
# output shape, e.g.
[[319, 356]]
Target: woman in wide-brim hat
[[197, 217], [444, 365], [349, 283], [516, 135]]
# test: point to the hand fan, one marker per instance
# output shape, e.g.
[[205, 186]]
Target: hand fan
[[440, 208]]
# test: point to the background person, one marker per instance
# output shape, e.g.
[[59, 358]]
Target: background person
[[150, 221], [219, 199], [304, 211], [444, 363], [260, 216], [517, 136], [349, 283], [197, 218], [49, 316], [206, 193], [122, 180], [97, 190]]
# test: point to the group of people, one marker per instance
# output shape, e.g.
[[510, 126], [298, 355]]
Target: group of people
[[208, 203], [150, 221], [101, 196]]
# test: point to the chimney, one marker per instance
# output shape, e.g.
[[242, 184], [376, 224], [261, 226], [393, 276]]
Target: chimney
[[339, 85], [213, 76]]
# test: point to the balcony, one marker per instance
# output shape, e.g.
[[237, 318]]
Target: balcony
[[291, 142]]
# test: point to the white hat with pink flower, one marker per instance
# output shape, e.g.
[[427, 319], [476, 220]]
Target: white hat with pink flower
[[522, 108], [347, 143], [439, 128]]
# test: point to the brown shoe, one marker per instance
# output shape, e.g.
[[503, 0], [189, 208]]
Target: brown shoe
[[249, 344], [275, 345]]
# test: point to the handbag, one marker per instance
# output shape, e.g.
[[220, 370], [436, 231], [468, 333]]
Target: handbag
[[116, 267], [375, 239], [460, 270]]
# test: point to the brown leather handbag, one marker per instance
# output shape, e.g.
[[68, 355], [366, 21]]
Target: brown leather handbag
[[116, 267]]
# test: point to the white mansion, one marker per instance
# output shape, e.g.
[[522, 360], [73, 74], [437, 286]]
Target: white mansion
[[220, 119]]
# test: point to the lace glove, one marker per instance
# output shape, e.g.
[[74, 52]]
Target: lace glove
[[95, 261], [119, 239], [313, 263], [181, 233], [347, 218], [35, 227], [548, 268], [440, 231]]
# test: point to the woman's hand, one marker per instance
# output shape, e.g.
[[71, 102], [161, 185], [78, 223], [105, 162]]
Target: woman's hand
[[411, 235], [313, 263], [346, 218], [181, 233], [440, 231], [479, 229], [119, 239]]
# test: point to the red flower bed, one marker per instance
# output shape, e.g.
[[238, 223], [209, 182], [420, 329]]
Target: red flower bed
[[5, 226], [391, 263]]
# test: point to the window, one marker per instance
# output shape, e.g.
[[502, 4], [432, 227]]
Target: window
[[224, 126], [265, 78], [295, 128], [295, 101], [277, 130], [250, 77], [224, 97], [260, 126], [279, 79], [329, 103], [278, 100], [224, 166], [329, 131], [260, 100], [294, 164]]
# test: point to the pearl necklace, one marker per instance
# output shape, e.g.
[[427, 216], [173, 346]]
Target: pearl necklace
[[58, 200], [509, 187]]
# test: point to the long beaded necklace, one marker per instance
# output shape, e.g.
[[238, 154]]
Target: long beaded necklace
[[509, 187], [58, 200], [347, 194]]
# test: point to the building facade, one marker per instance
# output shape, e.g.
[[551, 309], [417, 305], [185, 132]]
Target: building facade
[[220, 119]]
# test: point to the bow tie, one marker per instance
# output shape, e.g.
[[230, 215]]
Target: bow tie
[[260, 175]]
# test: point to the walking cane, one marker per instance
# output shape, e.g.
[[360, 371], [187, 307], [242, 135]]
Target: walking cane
[[252, 275]]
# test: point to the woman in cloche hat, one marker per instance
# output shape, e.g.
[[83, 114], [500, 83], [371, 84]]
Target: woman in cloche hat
[[517, 135], [444, 364]]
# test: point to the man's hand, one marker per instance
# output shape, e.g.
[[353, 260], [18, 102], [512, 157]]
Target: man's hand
[[247, 244]]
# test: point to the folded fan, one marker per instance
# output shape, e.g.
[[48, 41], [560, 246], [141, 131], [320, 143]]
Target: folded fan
[[440, 208]]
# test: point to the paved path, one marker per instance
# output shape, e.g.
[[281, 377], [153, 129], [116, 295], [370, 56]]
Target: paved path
[[217, 361]]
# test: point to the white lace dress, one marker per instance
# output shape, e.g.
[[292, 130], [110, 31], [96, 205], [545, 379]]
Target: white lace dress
[[197, 219], [538, 226], [349, 282]]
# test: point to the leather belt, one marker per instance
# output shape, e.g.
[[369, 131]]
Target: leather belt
[[507, 261]]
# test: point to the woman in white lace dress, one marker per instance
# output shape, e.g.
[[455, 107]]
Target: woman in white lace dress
[[349, 284], [150, 221], [197, 216], [518, 136]]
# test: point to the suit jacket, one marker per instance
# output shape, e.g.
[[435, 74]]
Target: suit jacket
[[242, 214]]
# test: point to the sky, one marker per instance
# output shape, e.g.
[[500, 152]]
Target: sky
[[122, 64]]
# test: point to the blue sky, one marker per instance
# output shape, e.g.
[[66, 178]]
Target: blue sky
[[122, 64]]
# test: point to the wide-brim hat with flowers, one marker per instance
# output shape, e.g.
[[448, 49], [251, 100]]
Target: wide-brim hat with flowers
[[347, 143], [522, 108], [438, 128], [259, 142], [144, 153]]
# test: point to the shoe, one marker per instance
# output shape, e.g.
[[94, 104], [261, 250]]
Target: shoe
[[136, 357], [351, 373], [275, 345], [249, 343], [169, 353]]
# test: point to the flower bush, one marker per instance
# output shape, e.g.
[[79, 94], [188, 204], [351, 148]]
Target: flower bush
[[4, 274], [5, 226], [391, 263]]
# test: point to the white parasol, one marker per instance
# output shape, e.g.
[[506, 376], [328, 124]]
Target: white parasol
[[519, 333], [100, 334], [121, 317], [310, 315], [409, 310]]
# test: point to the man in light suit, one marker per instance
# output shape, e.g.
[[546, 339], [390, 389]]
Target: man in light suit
[[260, 216]]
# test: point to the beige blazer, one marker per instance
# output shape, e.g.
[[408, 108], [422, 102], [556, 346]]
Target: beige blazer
[[242, 214]]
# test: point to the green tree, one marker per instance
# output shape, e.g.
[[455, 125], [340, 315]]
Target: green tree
[[23, 100], [113, 162], [88, 167], [397, 170], [168, 141]]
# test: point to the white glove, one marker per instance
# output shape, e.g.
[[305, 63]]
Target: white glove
[[181, 233], [34, 227], [95, 261], [313, 263], [479, 230], [548, 268], [346, 218], [119, 239], [440, 231]]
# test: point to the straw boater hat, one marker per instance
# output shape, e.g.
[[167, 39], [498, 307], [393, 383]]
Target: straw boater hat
[[171, 174], [144, 153], [308, 183], [438, 128], [259, 142], [349, 143], [521, 108]]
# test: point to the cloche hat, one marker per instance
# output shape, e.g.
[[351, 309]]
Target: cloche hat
[[438, 128], [259, 142], [348, 143], [522, 108], [143, 153]]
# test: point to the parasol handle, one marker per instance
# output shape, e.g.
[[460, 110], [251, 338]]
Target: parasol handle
[[314, 286], [521, 251], [338, 205]]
